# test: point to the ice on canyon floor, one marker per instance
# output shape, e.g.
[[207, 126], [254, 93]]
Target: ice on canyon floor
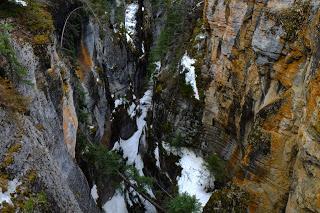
[[116, 204], [195, 178], [6, 196], [190, 74], [94, 193], [142, 47], [131, 20], [130, 147], [123, 101], [118, 102], [149, 208], [132, 110]]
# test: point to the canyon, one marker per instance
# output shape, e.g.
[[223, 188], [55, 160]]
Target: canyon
[[128, 105]]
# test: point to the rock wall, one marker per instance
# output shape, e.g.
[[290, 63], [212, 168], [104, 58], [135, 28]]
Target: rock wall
[[264, 59], [60, 98], [39, 132]]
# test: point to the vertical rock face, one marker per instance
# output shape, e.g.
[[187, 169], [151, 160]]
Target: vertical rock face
[[47, 145], [70, 120], [264, 59], [43, 119], [64, 96]]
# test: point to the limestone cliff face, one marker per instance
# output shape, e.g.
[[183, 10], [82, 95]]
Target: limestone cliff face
[[64, 96], [46, 138], [263, 98]]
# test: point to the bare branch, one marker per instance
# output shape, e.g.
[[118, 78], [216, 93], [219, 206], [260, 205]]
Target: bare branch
[[145, 196], [65, 24]]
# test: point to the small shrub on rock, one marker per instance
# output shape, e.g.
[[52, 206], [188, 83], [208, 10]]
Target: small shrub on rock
[[216, 166], [184, 203]]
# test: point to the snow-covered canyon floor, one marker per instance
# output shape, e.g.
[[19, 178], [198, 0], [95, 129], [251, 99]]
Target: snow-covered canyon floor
[[195, 179], [130, 150]]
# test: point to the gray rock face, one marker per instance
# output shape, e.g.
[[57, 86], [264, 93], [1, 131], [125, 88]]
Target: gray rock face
[[117, 67], [44, 146], [253, 106], [48, 130], [124, 61], [226, 20], [94, 84], [266, 39], [55, 179]]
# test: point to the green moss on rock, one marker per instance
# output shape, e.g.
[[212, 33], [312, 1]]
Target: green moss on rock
[[216, 166], [293, 18], [4, 179], [37, 202], [228, 199], [35, 17], [14, 148]]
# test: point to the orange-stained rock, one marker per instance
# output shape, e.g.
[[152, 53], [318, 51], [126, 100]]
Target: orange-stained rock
[[70, 123], [85, 62], [264, 82], [287, 67]]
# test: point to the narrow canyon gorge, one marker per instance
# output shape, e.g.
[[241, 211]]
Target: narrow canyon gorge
[[178, 106]]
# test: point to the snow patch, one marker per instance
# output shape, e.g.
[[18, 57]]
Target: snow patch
[[130, 147], [123, 101], [156, 154], [117, 204], [200, 37], [189, 70], [6, 196], [158, 66], [132, 110], [148, 206], [195, 178], [130, 20], [94, 193], [119, 102], [118, 3], [20, 2], [142, 48]]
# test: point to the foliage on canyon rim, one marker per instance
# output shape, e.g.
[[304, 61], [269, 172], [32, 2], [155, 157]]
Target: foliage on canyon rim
[[9, 97], [106, 162], [35, 17], [140, 181], [177, 141], [7, 51]]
